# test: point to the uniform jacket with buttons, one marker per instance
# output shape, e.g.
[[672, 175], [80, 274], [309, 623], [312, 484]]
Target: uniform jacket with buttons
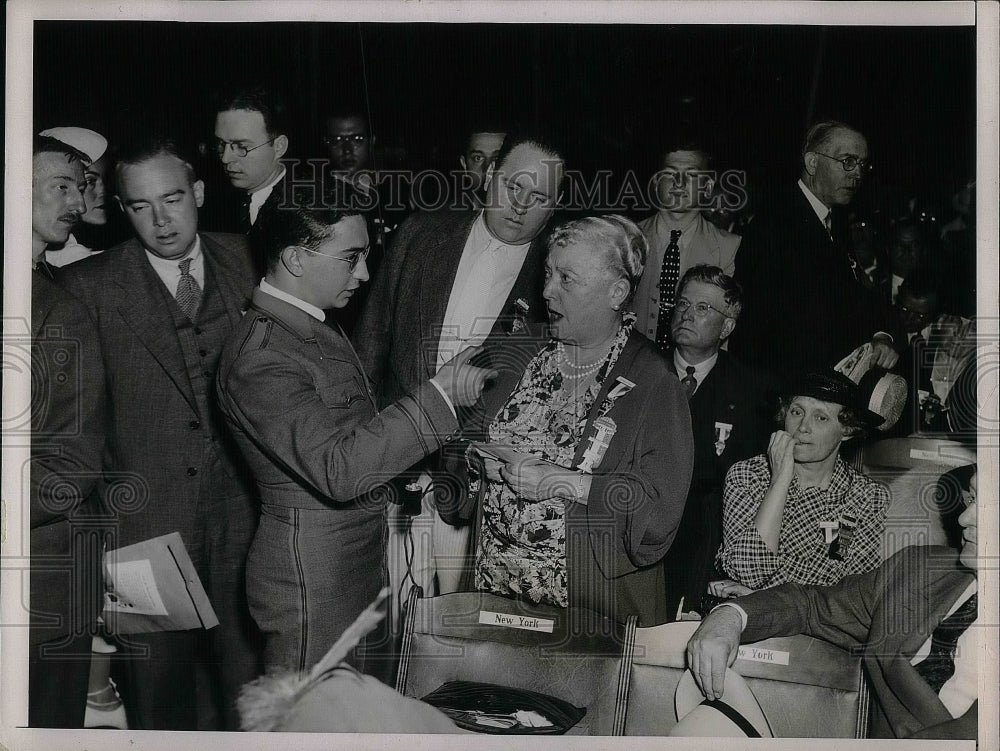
[[302, 410], [167, 456]]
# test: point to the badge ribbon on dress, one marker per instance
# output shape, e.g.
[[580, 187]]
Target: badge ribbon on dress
[[604, 430], [722, 433]]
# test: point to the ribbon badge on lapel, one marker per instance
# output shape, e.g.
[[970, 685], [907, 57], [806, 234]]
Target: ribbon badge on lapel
[[520, 322], [604, 430], [622, 386], [722, 432]]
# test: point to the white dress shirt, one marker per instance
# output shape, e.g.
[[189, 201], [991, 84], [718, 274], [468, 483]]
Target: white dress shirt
[[486, 275], [168, 269], [71, 251], [701, 370]]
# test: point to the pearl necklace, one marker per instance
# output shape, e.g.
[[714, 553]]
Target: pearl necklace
[[581, 371]]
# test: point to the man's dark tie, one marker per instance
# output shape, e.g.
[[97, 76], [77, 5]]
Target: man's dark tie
[[188, 292], [939, 665], [669, 276], [245, 215], [689, 382]]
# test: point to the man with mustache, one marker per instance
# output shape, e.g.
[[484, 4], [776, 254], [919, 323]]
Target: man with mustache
[[452, 277], [679, 236], [806, 306], [93, 221], [68, 413]]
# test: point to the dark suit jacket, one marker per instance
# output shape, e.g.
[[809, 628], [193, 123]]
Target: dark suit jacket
[[888, 614], [166, 456], [68, 416], [255, 237], [614, 543], [803, 308], [398, 332], [734, 395]]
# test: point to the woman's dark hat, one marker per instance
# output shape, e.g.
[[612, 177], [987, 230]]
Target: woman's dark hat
[[837, 388]]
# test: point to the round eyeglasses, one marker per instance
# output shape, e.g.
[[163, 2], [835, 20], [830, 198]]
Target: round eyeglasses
[[353, 138], [238, 148], [700, 309], [849, 162], [352, 262]]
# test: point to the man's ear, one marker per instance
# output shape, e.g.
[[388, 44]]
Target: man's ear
[[280, 146], [727, 328], [121, 206], [809, 159], [198, 188], [490, 172], [291, 259], [461, 160]]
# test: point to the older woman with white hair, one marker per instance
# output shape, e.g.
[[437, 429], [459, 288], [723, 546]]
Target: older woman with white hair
[[587, 441]]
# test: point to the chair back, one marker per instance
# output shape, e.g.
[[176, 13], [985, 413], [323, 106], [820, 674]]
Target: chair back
[[572, 654], [806, 687]]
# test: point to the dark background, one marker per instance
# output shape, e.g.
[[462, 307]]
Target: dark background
[[610, 92]]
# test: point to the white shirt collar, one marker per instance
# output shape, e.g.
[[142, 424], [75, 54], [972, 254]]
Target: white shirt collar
[[302, 305], [260, 195], [481, 237], [701, 370], [818, 206], [662, 226], [168, 269]]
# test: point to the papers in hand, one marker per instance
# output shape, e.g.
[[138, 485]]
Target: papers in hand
[[153, 586], [507, 454], [857, 363]]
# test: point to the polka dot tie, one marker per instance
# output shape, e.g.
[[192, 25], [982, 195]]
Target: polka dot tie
[[669, 276]]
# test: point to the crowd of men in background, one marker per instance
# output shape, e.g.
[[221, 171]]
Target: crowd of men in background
[[812, 280]]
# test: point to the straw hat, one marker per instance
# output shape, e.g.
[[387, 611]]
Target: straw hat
[[736, 715]]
